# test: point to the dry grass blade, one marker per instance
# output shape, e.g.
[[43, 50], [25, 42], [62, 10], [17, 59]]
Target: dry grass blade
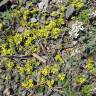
[[39, 58]]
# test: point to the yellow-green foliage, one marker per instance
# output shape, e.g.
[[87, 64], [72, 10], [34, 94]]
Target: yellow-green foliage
[[54, 13], [45, 71], [1, 26], [90, 63], [28, 68], [17, 38], [10, 65], [20, 69], [50, 83], [80, 79], [59, 58], [55, 69], [77, 3], [83, 16], [28, 83], [61, 76]]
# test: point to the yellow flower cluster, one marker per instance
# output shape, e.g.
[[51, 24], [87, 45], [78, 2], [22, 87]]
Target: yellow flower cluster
[[61, 76], [42, 80], [20, 69], [51, 69], [28, 68], [10, 65], [17, 38], [50, 83], [45, 71], [55, 32], [59, 58], [80, 79], [27, 84]]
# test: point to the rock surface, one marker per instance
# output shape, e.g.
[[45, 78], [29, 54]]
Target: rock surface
[[69, 12]]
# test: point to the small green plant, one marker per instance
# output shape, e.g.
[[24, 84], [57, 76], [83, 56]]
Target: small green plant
[[84, 16], [88, 89]]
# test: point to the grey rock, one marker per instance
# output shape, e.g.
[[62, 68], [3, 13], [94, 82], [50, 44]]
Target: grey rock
[[69, 12], [43, 5], [20, 29]]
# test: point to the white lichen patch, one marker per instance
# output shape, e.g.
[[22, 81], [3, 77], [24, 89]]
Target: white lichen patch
[[75, 28]]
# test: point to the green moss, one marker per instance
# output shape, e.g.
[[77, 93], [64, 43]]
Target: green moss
[[87, 89], [84, 16]]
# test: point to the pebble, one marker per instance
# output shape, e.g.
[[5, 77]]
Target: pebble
[[43, 5], [33, 20], [20, 29]]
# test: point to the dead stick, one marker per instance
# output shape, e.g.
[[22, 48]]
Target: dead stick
[[39, 58], [27, 57]]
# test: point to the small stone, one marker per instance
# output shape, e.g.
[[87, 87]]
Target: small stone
[[33, 20], [41, 5], [69, 12], [24, 92], [20, 29], [42, 20]]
